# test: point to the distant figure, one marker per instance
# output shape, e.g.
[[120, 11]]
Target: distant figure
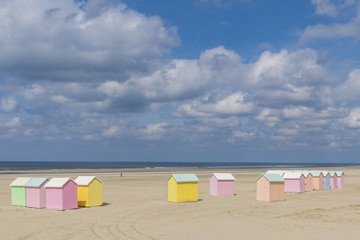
[[120, 174]]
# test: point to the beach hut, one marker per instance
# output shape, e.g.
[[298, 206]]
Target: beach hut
[[89, 191], [222, 184], [270, 188], [294, 182], [318, 180], [340, 179], [35, 193], [326, 180], [61, 194], [308, 181], [183, 188], [18, 191], [333, 180]]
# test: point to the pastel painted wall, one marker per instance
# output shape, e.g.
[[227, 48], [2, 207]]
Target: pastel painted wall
[[295, 185], [182, 192], [326, 182], [221, 187], [18, 196], [62, 198], [70, 195], [90, 196], [333, 182], [340, 181], [36, 196], [309, 183], [318, 182], [269, 192]]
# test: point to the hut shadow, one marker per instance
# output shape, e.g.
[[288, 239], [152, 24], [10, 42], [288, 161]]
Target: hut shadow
[[200, 199], [105, 204]]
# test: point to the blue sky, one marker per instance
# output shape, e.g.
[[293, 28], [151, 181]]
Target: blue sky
[[188, 80]]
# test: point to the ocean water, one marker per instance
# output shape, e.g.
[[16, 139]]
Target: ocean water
[[7, 165]]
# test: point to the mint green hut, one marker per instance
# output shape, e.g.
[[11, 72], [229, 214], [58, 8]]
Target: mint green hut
[[18, 191]]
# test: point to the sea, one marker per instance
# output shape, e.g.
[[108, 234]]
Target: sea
[[52, 165]]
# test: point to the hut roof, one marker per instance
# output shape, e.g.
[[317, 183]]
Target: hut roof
[[272, 177], [306, 173], [324, 172], [316, 173], [224, 176], [57, 182], [85, 180], [36, 182], [339, 173], [293, 175], [185, 177], [20, 182], [332, 173]]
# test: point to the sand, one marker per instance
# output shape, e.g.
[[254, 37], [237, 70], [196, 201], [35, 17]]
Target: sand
[[136, 207]]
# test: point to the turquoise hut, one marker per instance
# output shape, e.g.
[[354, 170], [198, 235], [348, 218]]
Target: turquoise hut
[[326, 180]]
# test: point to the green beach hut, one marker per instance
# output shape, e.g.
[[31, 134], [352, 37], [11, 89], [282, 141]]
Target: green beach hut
[[18, 191]]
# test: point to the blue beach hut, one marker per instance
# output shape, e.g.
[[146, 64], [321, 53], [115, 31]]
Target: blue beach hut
[[326, 180]]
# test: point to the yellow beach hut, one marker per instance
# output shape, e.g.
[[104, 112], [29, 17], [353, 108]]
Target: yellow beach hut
[[183, 188], [89, 191]]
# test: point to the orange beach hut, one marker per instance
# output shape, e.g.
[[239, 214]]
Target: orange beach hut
[[318, 180], [270, 188]]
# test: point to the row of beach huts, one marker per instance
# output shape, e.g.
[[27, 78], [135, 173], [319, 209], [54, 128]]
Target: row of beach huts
[[272, 185], [56, 193], [86, 191]]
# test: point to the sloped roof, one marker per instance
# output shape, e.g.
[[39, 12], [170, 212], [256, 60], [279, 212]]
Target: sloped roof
[[324, 172], [85, 180], [293, 175], [316, 173], [185, 177], [57, 182], [223, 176], [272, 177], [20, 182], [332, 173], [36, 182], [339, 173]]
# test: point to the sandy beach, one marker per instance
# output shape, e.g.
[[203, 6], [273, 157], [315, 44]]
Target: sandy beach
[[136, 207]]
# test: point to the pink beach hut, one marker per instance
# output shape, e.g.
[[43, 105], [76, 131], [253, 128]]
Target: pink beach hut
[[340, 179], [333, 180], [61, 194], [36, 193], [294, 182], [222, 184]]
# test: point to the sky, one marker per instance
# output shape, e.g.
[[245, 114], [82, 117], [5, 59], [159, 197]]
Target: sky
[[186, 80]]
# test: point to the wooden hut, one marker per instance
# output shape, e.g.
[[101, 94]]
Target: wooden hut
[[326, 180], [89, 191], [222, 184], [18, 191], [294, 182], [61, 194], [270, 188], [36, 193], [183, 188], [318, 180], [340, 179], [333, 180], [308, 181]]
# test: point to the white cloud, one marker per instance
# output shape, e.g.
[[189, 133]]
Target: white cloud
[[8, 104], [353, 119], [153, 131], [325, 7], [112, 131]]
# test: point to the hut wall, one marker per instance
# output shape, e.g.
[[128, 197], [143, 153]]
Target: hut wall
[[187, 192], [225, 188], [309, 183], [70, 195], [172, 190], [213, 186], [276, 192], [18, 196], [95, 193], [54, 198], [262, 189]]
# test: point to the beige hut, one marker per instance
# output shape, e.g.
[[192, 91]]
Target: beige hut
[[309, 186], [270, 188], [318, 180]]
